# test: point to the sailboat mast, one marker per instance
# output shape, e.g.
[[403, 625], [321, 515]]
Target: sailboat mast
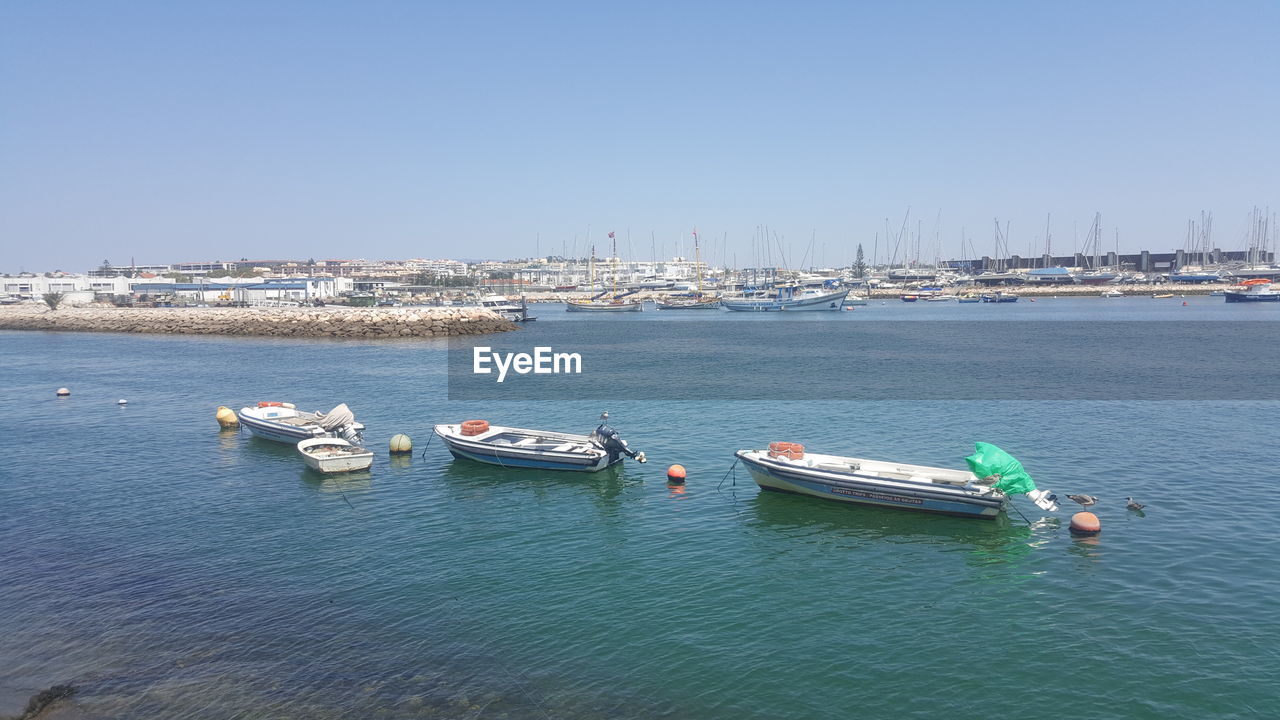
[[697, 260], [615, 266]]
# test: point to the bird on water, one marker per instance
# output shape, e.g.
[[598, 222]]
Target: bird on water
[[1132, 505], [1084, 500]]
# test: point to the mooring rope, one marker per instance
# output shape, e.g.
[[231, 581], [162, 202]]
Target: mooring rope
[[726, 475]]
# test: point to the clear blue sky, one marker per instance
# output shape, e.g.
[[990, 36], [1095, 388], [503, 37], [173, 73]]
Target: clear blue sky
[[180, 131]]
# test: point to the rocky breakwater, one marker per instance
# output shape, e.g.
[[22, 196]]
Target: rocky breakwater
[[333, 322]]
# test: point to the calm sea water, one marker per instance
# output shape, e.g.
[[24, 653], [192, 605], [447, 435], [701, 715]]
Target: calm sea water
[[169, 569]]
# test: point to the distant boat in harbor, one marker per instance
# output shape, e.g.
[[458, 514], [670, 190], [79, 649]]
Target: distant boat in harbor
[[790, 297], [1256, 290], [697, 301], [614, 302]]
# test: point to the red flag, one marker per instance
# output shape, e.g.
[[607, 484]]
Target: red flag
[[695, 233], [610, 234]]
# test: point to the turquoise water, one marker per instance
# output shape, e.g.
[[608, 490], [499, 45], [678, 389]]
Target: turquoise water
[[169, 569]]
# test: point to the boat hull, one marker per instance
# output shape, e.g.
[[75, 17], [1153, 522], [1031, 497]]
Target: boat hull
[[1239, 297], [830, 301], [709, 305], [788, 477], [603, 307]]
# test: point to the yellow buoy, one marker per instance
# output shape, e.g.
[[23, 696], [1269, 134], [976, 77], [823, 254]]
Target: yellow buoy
[[227, 417], [400, 443]]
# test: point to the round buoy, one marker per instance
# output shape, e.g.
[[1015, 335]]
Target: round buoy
[[1085, 523], [1184, 303], [227, 417], [675, 474], [122, 401], [63, 392], [400, 443]]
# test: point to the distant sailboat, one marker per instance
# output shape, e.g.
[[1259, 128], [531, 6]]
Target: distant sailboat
[[614, 302], [698, 301]]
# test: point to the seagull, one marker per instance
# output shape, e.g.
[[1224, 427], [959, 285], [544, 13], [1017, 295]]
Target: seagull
[[1134, 505], [1084, 500]]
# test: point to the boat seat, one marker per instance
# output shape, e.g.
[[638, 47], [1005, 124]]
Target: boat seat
[[525, 442], [563, 448]]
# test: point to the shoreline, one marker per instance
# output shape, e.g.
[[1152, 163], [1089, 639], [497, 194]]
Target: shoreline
[[327, 322], [1144, 290]]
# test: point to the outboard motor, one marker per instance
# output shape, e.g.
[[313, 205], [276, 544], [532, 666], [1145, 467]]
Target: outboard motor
[[607, 439], [351, 434]]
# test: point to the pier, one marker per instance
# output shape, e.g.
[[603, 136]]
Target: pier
[[329, 322]]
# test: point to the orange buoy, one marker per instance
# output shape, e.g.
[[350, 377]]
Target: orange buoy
[[1184, 303], [475, 427], [1085, 523], [675, 474], [270, 403]]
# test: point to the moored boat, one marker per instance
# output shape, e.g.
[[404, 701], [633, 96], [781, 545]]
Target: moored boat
[[1255, 290], [524, 448], [334, 455], [695, 303], [787, 467], [599, 303], [999, 297], [282, 422], [790, 298], [604, 305]]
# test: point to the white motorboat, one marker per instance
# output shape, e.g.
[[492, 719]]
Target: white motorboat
[[1255, 290], [334, 455], [282, 422], [523, 448], [789, 297], [787, 467]]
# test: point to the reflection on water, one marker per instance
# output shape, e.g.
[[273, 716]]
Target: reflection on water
[[476, 480], [995, 541], [355, 482]]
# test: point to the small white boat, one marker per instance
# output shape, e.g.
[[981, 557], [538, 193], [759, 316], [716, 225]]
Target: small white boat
[[508, 309], [786, 467], [523, 448], [334, 455], [282, 422]]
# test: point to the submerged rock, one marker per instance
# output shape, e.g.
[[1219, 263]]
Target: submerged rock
[[42, 700]]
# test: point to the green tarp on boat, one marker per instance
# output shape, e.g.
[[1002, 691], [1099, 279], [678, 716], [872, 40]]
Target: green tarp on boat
[[988, 460]]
